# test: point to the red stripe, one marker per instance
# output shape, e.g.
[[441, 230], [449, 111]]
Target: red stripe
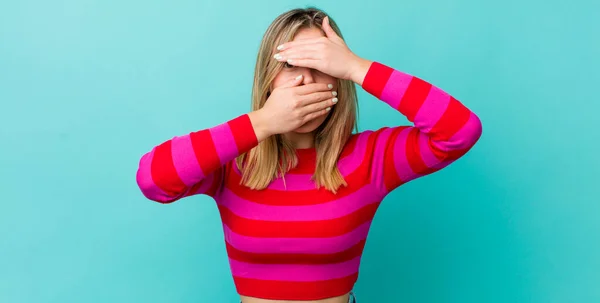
[[298, 229], [356, 180], [243, 133], [284, 290], [205, 150], [274, 258], [217, 181], [413, 98], [453, 119], [194, 188], [413, 154], [349, 146], [307, 166], [163, 171], [390, 175], [376, 78]]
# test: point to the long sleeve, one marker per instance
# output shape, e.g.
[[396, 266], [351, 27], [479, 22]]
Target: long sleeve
[[193, 163], [444, 129]]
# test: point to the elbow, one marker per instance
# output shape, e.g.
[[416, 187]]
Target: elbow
[[467, 136], [151, 191], [461, 142], [475, 129], [147, 185]]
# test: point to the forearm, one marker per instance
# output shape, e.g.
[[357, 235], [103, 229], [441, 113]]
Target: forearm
[[258, 120], [359, 70], [175, 167], [450, 125]]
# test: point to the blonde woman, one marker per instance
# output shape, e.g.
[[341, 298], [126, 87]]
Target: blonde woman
[[295, 187]]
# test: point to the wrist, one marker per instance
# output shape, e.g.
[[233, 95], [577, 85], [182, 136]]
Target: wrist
[[361, 67], [259, 124]]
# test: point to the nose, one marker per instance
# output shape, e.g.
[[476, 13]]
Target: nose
[[307, 75]]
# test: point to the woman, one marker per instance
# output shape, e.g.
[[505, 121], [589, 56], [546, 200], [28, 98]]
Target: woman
[[295, 188]]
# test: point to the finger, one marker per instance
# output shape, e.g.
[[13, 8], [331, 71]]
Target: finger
[[294, 82], [318, 97], [312, 88], [328, 29], [303, 52], [310, 63], [299, 54], [302, 48], [295, 43], [317, 113]]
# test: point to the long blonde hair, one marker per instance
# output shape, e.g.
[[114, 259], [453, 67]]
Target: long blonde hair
[[275, 155]]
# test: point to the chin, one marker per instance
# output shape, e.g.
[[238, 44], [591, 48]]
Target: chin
[[309, 126]]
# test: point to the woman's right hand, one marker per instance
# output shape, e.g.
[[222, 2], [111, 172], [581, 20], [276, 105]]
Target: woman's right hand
[[290, 106]]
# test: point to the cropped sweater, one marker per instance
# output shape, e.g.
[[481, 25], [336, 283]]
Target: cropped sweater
[[299, 242]]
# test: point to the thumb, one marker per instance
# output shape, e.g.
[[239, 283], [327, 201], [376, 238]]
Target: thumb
[[294, 82], [328, 29]]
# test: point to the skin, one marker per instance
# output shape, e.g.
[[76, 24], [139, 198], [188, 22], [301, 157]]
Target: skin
[[303, 137], [320, 58]]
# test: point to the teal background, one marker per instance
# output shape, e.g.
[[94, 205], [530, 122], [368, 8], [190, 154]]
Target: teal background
[[88, 86]]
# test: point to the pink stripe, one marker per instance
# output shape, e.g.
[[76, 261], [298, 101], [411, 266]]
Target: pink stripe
[[324, 211], [378, 161], [291, 272], [469, 133], [352, 161], [395, 88], [224, 142], [293, 182], [401, 164], [297, 245], [185, 161], [145, 182], [346, 165], [426, 154], [464, 137], [433, 108], [442, 164]]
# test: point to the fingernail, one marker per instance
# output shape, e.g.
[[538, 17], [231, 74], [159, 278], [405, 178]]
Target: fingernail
[[277, 56], [334, 100], [330, 86], [334, 93], [328, 109], [299, 77], [280, 47], [290, 61]]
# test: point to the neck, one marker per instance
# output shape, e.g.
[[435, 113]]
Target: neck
[[301, 140]]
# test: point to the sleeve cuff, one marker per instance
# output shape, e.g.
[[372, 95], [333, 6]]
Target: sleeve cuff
[[243, 133]]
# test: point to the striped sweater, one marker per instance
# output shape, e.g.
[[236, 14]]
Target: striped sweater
[[299, 242]]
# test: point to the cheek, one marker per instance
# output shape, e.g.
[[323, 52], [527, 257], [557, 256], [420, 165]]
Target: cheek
[[280, 79], [328, 79]]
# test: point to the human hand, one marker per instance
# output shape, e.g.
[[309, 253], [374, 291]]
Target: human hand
[[328, 54], [291, 105]]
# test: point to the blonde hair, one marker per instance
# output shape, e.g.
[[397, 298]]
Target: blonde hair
[[275, 155]]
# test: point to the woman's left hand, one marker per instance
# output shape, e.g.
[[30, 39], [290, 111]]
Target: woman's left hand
[[328, 54]]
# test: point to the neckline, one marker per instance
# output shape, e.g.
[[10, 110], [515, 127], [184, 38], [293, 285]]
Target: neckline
[[309, 152], [306, 150]]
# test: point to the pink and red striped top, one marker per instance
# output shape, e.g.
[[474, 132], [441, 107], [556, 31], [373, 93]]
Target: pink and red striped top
[[300, 243]]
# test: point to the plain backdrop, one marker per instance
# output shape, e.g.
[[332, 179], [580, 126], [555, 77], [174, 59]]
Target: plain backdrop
[[88, 86]]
